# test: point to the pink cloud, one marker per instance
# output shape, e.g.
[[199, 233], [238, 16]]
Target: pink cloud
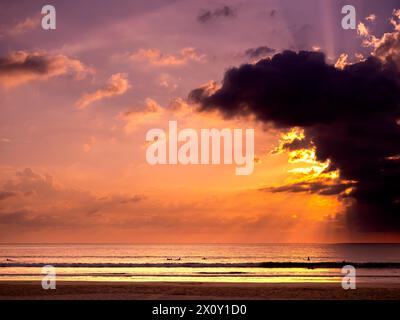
[[157, 58], [117, 85], [21, 27], [20, 67]]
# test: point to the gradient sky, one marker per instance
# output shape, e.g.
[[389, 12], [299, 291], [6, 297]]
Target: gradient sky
[[72, 132]]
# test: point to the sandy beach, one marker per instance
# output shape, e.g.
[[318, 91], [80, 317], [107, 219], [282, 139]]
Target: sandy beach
[[200, 291]]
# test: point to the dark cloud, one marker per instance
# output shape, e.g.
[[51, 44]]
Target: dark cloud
[[133, 199], [349, 115], [28, 219], [30, 63], [260, 52], [13, 217], [224, 12], [6, 194], [388, 48], [318, 187], [297, 144]]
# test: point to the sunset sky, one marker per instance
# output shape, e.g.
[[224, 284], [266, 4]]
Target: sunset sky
[[76, 103]]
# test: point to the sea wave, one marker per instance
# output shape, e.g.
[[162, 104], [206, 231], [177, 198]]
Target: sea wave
[[307, 265]]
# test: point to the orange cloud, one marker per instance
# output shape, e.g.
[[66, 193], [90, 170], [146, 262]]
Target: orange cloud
[[371, 17], [151, 112], [362, 29], [386, 48], [117, 85], [198, 216], [342, 61], [25, 203], [157, 58]]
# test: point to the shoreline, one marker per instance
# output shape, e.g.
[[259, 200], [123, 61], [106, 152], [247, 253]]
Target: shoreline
[[88, 290]]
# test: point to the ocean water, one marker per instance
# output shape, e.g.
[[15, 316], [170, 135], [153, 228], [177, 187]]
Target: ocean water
[[208, 262]]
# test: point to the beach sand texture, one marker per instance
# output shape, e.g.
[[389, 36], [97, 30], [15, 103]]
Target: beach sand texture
[[197, 291]]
